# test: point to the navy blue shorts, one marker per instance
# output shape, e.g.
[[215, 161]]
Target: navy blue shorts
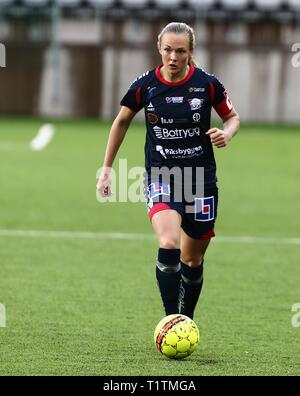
[[198, 217]]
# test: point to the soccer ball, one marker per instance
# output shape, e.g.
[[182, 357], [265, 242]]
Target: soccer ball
[[176, 336]]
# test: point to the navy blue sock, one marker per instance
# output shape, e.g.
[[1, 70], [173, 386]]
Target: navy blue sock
[[190, 288], [168, 278]]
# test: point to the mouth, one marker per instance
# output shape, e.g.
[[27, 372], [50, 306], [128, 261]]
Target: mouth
[[172, 66]]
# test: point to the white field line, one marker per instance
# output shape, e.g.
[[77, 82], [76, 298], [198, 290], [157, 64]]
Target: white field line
[[43, 138], [143, 237]]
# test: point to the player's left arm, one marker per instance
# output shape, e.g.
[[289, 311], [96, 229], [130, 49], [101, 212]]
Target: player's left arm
[[221, 137]]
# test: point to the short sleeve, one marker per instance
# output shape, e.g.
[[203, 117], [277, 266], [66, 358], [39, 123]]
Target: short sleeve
[[219, 97], [132, 98]]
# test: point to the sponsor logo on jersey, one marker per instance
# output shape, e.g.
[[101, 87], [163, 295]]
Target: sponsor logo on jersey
[[165, 133], [174, 99], [196, 103], [173, 120], [196, 117], [205, 208], [150, 107], [152, 118], [166, 120], [196, 89], [180, 152], [161, 151]]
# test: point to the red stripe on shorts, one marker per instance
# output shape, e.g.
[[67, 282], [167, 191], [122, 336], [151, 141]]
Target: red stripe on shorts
[[157, 208], [207, 235]]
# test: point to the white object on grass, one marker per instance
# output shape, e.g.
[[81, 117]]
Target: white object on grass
[[43, 138]]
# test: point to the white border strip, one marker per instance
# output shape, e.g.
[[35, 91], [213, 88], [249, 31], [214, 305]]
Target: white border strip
[[143, 237]]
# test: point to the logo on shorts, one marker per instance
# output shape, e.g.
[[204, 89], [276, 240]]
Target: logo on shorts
[[205, 208], [155, 190], [196, 103]]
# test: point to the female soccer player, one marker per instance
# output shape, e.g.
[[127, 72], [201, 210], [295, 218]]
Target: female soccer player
[[177, 98]]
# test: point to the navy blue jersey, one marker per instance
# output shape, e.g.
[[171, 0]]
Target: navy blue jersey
[[177, 116]]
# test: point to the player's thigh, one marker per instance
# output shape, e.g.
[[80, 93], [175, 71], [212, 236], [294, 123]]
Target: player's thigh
[[192, 250], [166, 225]]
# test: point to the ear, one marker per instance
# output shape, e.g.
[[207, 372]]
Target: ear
[[158, 47]]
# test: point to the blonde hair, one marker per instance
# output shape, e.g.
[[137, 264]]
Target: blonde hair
[[179, 28]]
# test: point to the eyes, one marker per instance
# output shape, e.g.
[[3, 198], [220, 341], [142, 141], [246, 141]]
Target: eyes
[[179, 51]]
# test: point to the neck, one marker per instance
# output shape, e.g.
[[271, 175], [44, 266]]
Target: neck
[[174, 78]]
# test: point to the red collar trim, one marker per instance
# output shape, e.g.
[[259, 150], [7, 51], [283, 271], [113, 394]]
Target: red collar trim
[[160, 77]]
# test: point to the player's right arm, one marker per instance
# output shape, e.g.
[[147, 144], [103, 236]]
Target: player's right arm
[[115, 139]]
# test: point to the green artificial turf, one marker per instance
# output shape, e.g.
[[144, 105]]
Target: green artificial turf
[[80, 305]]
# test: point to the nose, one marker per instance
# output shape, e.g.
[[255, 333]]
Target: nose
[[173, 56]]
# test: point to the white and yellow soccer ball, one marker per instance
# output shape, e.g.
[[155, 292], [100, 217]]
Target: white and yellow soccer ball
[[176, 336]]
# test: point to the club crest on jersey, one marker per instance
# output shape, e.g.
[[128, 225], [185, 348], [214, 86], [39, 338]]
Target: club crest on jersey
[[205, 208], [196, 103], [152, 118]]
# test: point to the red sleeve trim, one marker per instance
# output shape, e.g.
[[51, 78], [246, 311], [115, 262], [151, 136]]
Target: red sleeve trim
[[138, 95], [157, 208], [222, 108], [211, 91]]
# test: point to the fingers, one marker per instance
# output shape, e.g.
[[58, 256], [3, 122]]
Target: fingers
[[219, 143], [106, 192], [211, 131], [217, 137], [104, 189]]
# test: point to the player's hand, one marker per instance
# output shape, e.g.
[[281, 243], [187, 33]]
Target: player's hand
[[104, 185], [218, 137]]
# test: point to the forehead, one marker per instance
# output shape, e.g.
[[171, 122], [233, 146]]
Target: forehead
[[175, 40]]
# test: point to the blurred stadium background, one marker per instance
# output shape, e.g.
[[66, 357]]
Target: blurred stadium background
[[77, 277], [75, 58]]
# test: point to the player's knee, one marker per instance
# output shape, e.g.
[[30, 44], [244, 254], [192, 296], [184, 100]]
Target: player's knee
[[169, 242]]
